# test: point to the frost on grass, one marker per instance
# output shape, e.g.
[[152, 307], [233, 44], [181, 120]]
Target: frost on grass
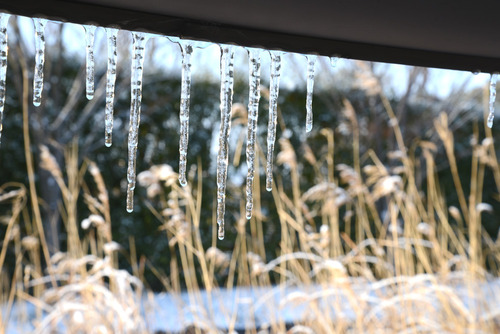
[[85, 303]]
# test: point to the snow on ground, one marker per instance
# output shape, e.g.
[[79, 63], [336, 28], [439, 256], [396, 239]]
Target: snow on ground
[[251, 307]]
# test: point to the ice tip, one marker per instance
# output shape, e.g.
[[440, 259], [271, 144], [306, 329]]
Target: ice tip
[[90, 96], [490, 123], [130, 210], [108, 141], [309, 127], [182, 180], [220, 233], [36, 103]]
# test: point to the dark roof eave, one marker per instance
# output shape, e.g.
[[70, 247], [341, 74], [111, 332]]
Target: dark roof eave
[[84, 12]]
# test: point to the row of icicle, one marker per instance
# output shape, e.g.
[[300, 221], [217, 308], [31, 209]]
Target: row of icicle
[[226, 95]]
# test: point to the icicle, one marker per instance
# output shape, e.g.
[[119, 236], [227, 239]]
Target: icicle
[[493, 95], [226, 101], [194, 44], [187, 50], [253, 115], [334, 61], [274, 88], [110, 85], [4, 49], [89, 39], [39, 60], [139, 43], [311, 62]]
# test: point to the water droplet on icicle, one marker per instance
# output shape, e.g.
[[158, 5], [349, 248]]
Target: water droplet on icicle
[[139, 43], [39, 60], [493, 95], [111, 34], [4, 49], [311, 62], [226, 101], [274, 89], [253, 115], [89, 50], [186, 50]]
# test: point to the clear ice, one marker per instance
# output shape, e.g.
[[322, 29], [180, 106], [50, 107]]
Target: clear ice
[[334, 61], [139, 43], [311, 62], [253, 115], [187, 50], [89, 40], [39, 59], [226, 101], [493, 95], [111, 34], [4, 49], [274, 88]]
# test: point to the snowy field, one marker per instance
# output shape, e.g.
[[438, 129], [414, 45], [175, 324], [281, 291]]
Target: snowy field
[[346, 300]]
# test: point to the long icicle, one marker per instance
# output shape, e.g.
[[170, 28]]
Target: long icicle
[[493, 95], [4, 49], [111, 34], [89, 50], [187, 50], [274, 88], [39, 60], [253, 115], [311, 62], [226, 101], [139, 43]]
